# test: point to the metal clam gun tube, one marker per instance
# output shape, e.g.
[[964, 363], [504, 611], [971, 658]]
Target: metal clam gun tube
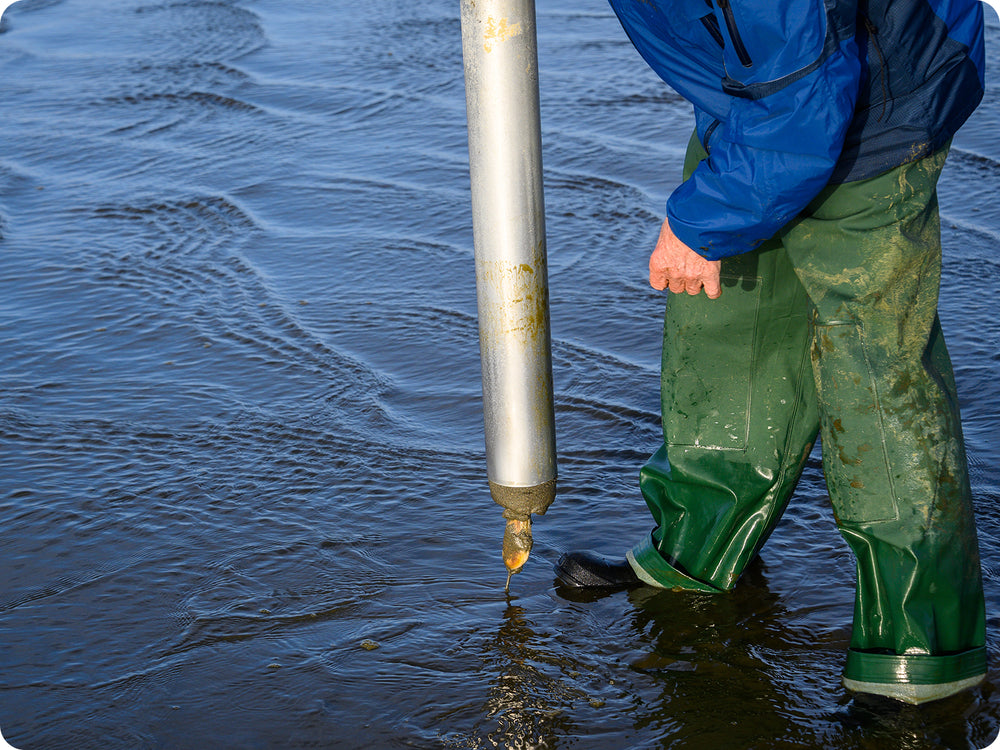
[[508, 216]]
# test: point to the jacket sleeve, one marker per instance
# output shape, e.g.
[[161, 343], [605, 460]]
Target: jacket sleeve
[[792, 78]]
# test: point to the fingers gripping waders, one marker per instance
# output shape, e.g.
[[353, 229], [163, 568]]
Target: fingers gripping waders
[[501, 83], [832, 326]]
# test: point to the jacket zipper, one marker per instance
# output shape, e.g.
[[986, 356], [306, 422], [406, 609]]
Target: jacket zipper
[[873, 37], [711, 23], [708, 135], [734, 33]]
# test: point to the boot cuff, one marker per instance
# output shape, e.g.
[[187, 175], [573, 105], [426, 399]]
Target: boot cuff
[[914, 678]]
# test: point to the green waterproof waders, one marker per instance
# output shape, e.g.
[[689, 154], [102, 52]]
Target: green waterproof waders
[[831, 325]]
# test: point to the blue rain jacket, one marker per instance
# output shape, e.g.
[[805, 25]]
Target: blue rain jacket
[[791, 95]]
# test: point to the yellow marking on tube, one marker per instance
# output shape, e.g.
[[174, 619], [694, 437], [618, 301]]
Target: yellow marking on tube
[[499, 31]]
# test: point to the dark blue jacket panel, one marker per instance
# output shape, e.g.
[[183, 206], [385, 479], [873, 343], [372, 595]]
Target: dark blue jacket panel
[[922, 78], [791, 94]]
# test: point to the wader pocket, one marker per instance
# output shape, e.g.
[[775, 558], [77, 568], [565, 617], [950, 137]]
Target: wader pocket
[[854, 440], [708, 366]]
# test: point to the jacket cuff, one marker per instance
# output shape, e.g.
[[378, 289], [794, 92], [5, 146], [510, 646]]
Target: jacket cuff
[[709, 250]]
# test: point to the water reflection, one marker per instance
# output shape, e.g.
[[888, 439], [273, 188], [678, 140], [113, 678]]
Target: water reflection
[[709, 654], [524, 701], [877, 721], [740, 670]]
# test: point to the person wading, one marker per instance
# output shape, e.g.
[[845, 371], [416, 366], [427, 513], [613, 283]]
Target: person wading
[[803, 249]]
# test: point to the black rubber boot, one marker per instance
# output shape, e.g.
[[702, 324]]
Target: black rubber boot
[[585, 570]]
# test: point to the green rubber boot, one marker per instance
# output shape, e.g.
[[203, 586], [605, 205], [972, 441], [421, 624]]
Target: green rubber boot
[[834, 324], [740, 417], [869, 253], [739, 420]]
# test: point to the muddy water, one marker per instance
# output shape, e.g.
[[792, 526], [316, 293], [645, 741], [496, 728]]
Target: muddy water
[[242, 477]]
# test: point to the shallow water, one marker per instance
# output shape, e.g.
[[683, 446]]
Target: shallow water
[[242, 473]]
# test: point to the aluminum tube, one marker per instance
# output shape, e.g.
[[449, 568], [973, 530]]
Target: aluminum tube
[[505, 164]]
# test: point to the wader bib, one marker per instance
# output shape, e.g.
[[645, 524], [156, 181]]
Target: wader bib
[[831, 325]]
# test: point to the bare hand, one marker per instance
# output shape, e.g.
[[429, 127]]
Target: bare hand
[[673, 264]]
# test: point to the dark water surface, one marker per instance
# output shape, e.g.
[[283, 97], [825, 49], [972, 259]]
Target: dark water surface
[[240, 413]]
